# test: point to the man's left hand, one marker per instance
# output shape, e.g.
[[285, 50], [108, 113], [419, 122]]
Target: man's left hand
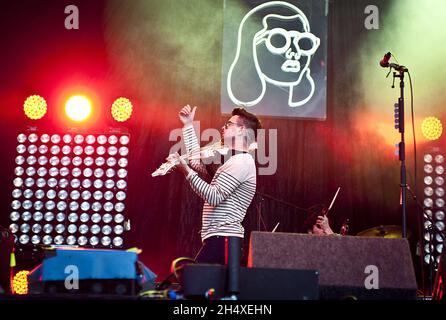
[[180, 163]]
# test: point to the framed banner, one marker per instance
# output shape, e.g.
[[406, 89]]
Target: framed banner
[[275, 58]]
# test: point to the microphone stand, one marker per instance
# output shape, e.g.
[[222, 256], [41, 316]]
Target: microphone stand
[[399, 124]]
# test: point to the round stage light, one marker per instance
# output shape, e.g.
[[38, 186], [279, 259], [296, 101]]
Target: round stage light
[[121, 109], [71, 240], [431, 128], [439, 215], [78, 108], [105, 241], [35, 107], [14, 216]]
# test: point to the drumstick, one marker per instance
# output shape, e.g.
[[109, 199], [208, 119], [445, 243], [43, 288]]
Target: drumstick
[[332, 201]]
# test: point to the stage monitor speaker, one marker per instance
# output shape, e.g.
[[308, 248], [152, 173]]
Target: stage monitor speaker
[[349, 267], [89, 271], [255, 283]]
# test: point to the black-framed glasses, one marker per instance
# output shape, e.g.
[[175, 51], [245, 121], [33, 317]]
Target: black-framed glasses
[[230, 123]]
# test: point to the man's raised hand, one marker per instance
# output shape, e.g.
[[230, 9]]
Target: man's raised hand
[[187, 114]]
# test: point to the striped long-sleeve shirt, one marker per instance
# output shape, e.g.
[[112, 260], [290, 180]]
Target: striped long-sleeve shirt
[[228, 195]]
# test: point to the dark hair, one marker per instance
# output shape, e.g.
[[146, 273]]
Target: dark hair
[[309, 222], [250, 121]]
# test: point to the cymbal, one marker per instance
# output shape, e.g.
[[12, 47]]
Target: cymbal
[[391, 231]]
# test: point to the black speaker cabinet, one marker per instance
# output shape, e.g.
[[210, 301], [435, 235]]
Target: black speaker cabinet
[[349, 267], [255, 283]]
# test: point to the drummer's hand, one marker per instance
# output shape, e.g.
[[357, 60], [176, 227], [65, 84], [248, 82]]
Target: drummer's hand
[[187, 114], [323, 223], [179, 163]]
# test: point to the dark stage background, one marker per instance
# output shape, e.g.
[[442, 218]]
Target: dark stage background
[[167, 53]]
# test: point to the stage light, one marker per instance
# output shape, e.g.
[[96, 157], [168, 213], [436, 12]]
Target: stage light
[[100, 161], [78, 108], [431, 128], [105, 241], [434, 198], [72, 228], [112, 150], [43, 149], [123, 162], [117, 241], [100, 150], [121, 109], [32, 149], [13, 227], [106, 229], [111, 162], [27, 193], [94, 241], [96, 206], [83, 229], [107, 218], [47, 239], [40, 213], [29, 182], [121, 195], [82, 240], [14, 216], [88, 173], [84, 217], [31, 160], [55, 138], [96, 218], [71, 240], [48, 216], [88, 161], [35, 239], [35, 107], [58, 239], [60, 217], [20, 282], [108, 195], [36, 228], [24, 228], [60, 228], [24, 239], [52, 182], [67, 138]]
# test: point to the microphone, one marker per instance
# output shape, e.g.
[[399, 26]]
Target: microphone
[[385, 60]]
